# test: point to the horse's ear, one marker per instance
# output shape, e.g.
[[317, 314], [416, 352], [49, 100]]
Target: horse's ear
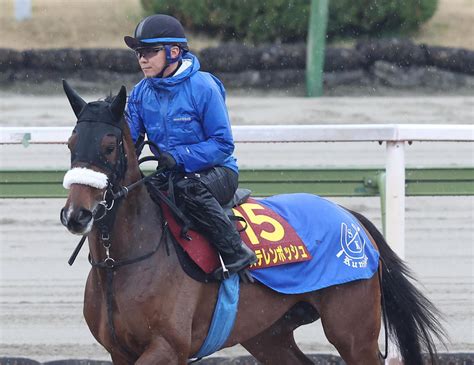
[[77, 103], [118, 104]]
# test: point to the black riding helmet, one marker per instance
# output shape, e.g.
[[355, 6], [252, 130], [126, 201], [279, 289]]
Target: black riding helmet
[[158, 29]]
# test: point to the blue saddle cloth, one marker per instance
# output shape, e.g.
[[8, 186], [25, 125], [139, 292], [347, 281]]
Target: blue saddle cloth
[[341, 250], [341, 253]]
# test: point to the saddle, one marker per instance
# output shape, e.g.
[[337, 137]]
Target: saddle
[[193, 242], [268, 234], [323, 244]]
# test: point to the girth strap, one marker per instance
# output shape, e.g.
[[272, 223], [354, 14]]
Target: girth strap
[[223, 318]]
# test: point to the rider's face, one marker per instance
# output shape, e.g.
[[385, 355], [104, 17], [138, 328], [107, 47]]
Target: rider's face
[[153, 60]]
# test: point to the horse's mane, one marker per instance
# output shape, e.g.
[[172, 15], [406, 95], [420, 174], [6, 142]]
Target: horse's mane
[[108, 99]]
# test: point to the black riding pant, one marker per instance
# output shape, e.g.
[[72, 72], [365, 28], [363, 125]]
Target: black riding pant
[[202, 195]]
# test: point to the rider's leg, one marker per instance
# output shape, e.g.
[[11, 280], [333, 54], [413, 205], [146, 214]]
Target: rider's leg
[[202, 194]]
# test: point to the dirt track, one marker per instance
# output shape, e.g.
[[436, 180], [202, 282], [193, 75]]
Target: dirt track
[[41, 296]]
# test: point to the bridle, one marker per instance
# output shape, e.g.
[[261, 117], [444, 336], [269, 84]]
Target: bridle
[[104, 215], [105, 211], [92, 121]]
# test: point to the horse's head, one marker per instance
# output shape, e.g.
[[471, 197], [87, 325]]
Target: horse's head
[[98, 158]]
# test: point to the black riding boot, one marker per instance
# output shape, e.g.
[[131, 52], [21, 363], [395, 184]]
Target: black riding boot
[[210, 218]]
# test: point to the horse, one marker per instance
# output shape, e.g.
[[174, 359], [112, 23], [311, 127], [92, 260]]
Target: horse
[[144, 309]]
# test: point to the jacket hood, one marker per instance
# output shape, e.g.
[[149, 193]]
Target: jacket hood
[[190, 65]]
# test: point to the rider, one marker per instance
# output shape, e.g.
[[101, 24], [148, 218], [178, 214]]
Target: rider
[[183, 111]]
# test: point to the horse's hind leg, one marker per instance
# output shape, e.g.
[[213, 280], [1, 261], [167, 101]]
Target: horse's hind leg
[[276, 345], [273, 348], [350, 314]]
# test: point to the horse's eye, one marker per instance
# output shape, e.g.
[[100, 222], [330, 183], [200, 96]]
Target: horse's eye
[[109, 150], [72, 140]]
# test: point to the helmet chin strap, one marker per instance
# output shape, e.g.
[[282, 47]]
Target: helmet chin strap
[[169, 60]]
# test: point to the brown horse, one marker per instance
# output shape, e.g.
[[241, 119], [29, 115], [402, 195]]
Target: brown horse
[[144, 309]]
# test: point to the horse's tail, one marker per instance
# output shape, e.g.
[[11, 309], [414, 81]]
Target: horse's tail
[[412, 318]]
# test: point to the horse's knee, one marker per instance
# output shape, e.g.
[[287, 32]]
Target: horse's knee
[[271, 348], [355, 348], [160, 352], [363, 356], [118, 359], [350, 316]]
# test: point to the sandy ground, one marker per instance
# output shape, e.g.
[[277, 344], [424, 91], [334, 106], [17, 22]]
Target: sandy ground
[[451, 26], [41, 296]]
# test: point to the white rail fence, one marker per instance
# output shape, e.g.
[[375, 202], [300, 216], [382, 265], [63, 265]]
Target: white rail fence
[[395, 136]]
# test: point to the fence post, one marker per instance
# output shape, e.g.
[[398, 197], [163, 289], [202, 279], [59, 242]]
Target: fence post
[[316, 43], [395, 214], [22, 9], [382, 187], [395, 197]]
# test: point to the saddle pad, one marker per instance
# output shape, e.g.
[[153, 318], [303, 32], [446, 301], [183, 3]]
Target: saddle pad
[[197, 247], [269, 235], [272, 239], [341, 249]]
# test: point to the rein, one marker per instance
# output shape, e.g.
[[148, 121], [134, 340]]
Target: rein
[[108, 206], [110, 263], [104, 217], [107, 209]]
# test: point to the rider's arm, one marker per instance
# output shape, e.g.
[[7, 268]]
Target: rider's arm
[[133, 117], [219, 143]]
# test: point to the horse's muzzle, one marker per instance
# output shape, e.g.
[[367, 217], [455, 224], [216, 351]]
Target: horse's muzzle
[[77, 221]]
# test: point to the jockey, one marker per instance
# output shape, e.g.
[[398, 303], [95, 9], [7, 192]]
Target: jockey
[[183, 111]]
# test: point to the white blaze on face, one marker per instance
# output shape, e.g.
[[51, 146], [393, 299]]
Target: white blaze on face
[[84, 176]]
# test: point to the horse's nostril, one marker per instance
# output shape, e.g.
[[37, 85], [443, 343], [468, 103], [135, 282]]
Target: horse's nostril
[[76, 221], [84, 216], [62, 217]]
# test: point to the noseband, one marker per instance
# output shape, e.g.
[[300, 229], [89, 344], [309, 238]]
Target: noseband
[[83, 153]]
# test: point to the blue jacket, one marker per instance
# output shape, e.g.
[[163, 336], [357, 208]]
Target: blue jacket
[[186, 116]]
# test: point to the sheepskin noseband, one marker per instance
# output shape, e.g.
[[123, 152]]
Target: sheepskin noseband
[[84, 176]]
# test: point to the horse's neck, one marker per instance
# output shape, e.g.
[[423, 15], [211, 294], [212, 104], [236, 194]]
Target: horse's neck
[[136, 229]]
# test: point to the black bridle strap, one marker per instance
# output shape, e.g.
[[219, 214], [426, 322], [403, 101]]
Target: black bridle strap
[[110, 312], [123, 192], [117, 264], [76, 250], [110, 268]]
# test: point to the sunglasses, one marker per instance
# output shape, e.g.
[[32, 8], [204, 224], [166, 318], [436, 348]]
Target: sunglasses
[[147, 52]]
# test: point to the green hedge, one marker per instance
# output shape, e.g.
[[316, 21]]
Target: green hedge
[[287, 20], [349, 17]]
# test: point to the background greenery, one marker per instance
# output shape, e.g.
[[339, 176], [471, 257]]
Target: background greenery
[[66, 24], [287, 20]]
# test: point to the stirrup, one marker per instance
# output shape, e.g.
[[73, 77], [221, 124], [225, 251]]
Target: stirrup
[[225, 272], [222, 273], [244, 275]]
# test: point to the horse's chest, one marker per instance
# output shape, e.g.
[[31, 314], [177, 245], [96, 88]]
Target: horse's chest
[[129, 310]]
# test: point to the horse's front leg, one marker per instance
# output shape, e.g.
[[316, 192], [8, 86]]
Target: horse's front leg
[[119, 359], [161, 352]]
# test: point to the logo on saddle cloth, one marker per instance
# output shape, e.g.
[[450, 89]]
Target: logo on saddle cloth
[[272, 239], [352, 246]]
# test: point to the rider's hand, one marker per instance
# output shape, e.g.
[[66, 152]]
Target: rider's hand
[[167, 161]]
